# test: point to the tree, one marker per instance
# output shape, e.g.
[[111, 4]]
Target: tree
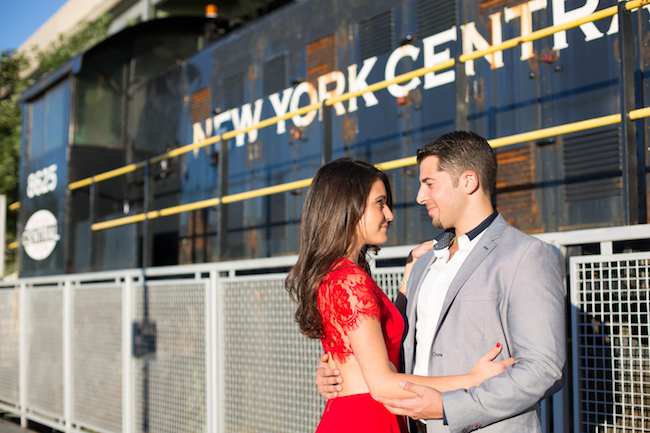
[[66, 47], [13, 65]]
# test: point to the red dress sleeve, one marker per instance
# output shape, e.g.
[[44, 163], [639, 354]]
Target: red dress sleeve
[[346, 297]]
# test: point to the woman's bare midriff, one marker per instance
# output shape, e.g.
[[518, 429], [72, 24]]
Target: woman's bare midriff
[[353, 382]]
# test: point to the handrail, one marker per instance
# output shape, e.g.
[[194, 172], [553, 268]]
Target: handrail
[[510, 43], [263, 124], [556, 130], [548, 31], [633, 4], [388, 165], [400, 78], [514, 42], [517, 138]]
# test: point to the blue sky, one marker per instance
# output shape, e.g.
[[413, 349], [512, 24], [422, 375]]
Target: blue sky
[[20, 18]]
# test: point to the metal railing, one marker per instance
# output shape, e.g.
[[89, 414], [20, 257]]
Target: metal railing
[[221, 352], [403, 162], [497, 142], [205, 348]]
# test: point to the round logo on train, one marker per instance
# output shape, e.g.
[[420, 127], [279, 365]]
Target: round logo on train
[[40, 235]]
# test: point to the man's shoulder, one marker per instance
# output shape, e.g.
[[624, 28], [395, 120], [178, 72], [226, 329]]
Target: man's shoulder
[[500, 227], [511, 241]]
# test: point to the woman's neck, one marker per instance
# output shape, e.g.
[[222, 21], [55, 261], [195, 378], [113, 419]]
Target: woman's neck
[[353, 254]]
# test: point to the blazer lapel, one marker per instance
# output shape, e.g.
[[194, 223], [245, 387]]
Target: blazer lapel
[[411, 312], [415, 293], [485, 246]]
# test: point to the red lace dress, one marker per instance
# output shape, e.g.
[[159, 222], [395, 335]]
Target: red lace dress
[[346, 297]]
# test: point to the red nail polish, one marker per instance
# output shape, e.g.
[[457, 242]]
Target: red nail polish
[[498, 344]]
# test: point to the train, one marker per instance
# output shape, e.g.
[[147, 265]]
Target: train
[[163, 84]]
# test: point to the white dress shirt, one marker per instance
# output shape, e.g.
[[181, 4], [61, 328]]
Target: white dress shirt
[[432, 296]]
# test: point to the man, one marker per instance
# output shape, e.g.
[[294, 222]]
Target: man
[[489, 284]]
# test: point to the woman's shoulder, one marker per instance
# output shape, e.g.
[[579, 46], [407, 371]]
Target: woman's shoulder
[[346, 270]]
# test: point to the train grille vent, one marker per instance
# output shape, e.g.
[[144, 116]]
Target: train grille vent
[[237, 224], [592, 165], [321, 58], [515, 177], [275, 75], [435, 16], [277, 215], [200, 105], [234, 91], [376, 35]]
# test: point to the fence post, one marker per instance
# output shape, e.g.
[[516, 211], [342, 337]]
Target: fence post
[[23, 358], [3, 231], [68, 379], [628, 127], [212, 385], [127, 347]]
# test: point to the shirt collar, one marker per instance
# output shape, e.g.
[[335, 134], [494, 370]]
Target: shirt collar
[[479, 228], [443, 240]]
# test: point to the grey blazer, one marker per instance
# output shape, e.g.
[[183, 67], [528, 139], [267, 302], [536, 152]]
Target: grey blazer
[[509, 290]]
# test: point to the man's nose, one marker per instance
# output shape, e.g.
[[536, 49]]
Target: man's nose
[[421, 197]]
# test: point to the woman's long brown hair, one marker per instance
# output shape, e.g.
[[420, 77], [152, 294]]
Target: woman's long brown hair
[[334, 205]]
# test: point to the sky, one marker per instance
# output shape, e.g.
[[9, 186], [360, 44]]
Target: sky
[[19, 19]]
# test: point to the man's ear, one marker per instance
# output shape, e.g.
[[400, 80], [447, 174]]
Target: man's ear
[[469, 181]]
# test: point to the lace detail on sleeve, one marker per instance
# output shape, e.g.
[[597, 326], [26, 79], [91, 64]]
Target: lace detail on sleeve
[[346, 297]]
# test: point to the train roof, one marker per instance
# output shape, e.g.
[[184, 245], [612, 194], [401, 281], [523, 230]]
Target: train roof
[[212, 28]]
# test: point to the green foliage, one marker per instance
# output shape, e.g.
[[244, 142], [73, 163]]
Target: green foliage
[[12, 85], [11, 65], [66, 47]]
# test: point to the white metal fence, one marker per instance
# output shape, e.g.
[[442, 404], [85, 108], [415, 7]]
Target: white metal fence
[[227, 358], [76, 351], [611, 355]]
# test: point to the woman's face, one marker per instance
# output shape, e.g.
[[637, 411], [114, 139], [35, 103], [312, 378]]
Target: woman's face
[[374, 222]]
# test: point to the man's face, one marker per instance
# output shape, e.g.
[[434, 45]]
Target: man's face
[[443, 200]]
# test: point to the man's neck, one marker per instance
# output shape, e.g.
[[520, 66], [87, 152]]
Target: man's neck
[[473, 219], [478, 228]]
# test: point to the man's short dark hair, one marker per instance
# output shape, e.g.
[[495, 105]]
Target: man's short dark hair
[[462, 151]]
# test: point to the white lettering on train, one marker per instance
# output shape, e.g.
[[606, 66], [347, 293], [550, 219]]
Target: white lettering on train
[[333, 83], [41, 181]]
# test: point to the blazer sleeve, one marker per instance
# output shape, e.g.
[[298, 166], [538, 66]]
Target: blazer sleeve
[[536, 319]]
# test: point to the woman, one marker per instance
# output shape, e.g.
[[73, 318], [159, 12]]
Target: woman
[[346, 213]]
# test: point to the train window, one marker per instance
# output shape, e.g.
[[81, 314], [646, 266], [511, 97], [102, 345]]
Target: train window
[[36, 127], [435, 16], [57, 115], [99, 100], [376, 35], [48, 124]]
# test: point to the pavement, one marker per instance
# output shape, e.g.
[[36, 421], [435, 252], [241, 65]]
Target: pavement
[[10, 427]]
